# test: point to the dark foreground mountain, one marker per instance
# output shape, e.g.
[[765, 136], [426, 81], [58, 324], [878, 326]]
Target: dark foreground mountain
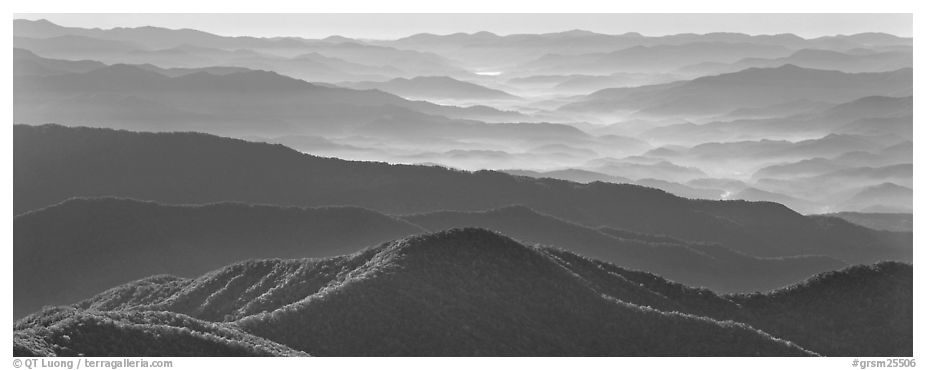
[[693, 264], [65, 331], [53, 163], [474, 292], [136, 239], [106, 242], [877, 299]]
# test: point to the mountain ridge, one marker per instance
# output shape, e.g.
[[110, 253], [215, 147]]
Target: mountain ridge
[[138, 238], [118, 158], [694, 264], [467, 287], [719, 94]]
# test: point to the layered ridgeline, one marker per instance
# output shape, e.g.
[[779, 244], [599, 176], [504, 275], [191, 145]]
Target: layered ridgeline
[[474, 292], [107, 241], [434, 87], [573, 51], [329, 60], [879, 221], [753, 87], [695, 264], [65, 331], [53, 163], [135, 239], [141, 97]]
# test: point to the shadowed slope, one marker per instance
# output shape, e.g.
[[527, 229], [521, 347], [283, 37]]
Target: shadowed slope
[[474, 292], [63, 331], [693, 264], [109, 241], [876, 299], [51, 164], [459, 292]]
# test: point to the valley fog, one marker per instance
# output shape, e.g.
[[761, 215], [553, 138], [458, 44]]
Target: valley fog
[[821, 125], [567, 192]]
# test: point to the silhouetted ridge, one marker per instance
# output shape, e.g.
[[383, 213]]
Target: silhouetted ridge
[[479, 242], [197, 168], [694, 264], [472, 292], [859, 274], [877, 298], [239, 81], [136, 239], [475, 292]]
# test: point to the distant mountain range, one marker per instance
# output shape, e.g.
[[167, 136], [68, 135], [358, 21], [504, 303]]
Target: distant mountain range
[[574, 42], [759, 195], [182, 193], [884, 197], [51, 164], [475, 49], [870, 115], [662, 169], [467, 292], [126, 96], [585, 176], [588, 83], [879, 221], [434, 87], [753, 87], [650, 58], [816, 59], [344, 59], [854, 188], [26, 63]]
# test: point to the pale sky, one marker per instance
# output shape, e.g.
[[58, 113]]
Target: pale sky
[[390, 26]]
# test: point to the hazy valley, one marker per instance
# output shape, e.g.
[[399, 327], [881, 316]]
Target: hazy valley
[[467, 194]]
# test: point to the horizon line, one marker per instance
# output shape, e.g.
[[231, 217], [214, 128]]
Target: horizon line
[[484, 31]]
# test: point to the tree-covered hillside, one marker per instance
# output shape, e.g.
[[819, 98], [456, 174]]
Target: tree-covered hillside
[[476, 292]]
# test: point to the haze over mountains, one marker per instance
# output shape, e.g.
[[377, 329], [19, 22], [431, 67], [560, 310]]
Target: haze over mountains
[[568, 193], [484, 101], [50, 163], [439, 88]]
